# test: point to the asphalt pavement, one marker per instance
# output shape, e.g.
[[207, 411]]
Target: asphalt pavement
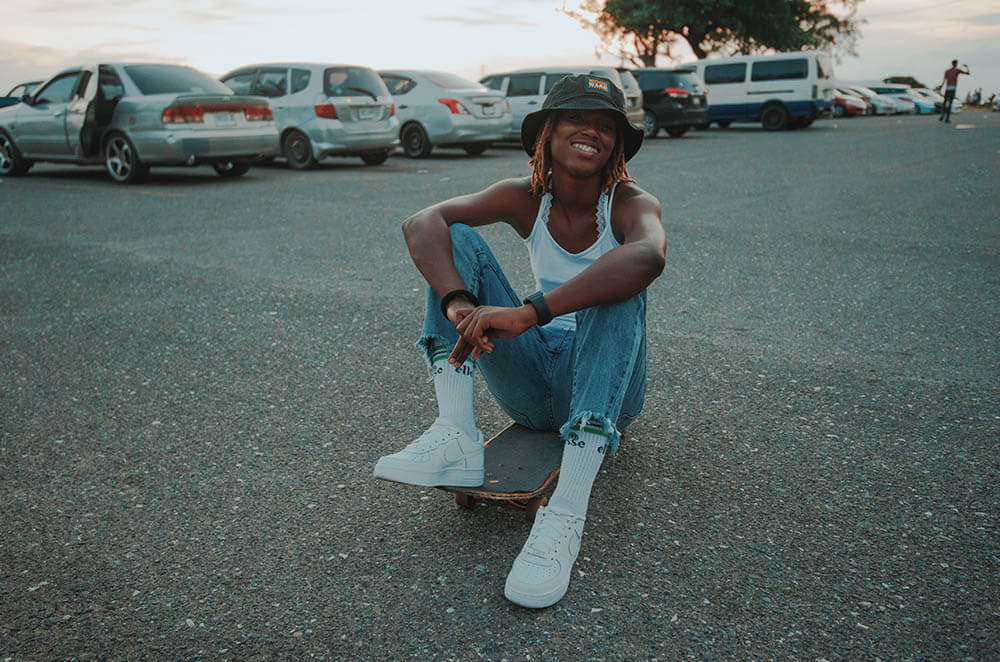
[[199, 375]]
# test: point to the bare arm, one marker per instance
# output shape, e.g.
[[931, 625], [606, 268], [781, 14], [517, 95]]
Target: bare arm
[[428, 237]]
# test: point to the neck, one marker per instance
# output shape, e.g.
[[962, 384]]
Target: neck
[[576, 192]]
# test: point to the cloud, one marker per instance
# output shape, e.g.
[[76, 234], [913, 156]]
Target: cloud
[[484, 17], [20, 62], [217, 11]]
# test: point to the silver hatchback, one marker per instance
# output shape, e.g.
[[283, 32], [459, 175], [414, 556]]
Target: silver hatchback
[[323, 109], [440, 109], [133, 116]]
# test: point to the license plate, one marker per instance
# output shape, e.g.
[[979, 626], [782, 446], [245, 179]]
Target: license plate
[[367, 113], [696, 101], [225, 119], [489, 110]]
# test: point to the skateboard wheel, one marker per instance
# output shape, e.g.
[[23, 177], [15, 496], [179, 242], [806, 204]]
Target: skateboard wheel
[[531, 508], [465, 500]]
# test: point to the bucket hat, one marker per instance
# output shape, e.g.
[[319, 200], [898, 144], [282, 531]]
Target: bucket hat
[[582, 92]]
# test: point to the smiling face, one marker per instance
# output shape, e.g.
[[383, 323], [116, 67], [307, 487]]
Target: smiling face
[[583, 140]]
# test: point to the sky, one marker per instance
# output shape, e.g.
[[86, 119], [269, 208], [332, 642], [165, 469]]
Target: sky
[[468, 37]]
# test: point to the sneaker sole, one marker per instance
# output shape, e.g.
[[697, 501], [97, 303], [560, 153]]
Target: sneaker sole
[[535, 600], [455, 477]]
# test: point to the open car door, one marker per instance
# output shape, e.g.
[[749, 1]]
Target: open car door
[[91, 109]]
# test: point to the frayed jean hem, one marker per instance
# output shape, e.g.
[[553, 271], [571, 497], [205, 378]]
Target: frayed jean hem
[[595, 423]]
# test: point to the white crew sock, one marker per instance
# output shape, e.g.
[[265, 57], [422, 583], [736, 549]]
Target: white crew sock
[[582, 457], [453, 388]]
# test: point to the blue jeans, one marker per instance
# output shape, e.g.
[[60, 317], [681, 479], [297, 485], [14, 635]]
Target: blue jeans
[[551, 379]]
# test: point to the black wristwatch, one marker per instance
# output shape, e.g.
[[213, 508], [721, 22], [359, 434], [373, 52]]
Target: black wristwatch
[[541, 309]]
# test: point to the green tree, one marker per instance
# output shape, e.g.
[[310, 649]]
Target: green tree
[[645, 29]]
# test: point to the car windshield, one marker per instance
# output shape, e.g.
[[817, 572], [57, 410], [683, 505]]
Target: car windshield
[[628, 81], [452, 82], [686, 80], [173, 79], [352, 82]]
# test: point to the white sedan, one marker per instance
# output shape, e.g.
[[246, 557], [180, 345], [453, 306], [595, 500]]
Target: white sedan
[[129, 117]]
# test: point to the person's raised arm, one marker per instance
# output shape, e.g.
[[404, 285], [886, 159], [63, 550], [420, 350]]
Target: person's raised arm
[[428, 237]]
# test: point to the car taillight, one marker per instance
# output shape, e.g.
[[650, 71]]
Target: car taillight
[[183, 115], [455, 106], [906, 98], [392, 110], [326, 111], [676, 92], [258, 113], [195, 113]]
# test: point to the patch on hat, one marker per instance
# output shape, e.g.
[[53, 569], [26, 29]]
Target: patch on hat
[[597, 84]]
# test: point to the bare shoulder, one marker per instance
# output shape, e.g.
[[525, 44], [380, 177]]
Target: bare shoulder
[[514, 199], [507, 201], [633, 205]]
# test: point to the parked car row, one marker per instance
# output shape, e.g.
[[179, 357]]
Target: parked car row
[[895, 98], [131, 116]]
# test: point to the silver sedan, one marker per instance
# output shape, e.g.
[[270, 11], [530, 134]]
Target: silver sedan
[[440, 109], [133, 116]]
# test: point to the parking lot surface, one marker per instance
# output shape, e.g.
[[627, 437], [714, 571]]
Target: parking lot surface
[[199, 374]]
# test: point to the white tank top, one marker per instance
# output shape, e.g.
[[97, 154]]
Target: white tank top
[[553, 265]]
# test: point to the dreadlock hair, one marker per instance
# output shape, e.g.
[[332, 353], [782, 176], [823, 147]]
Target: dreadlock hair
[[541, 163]]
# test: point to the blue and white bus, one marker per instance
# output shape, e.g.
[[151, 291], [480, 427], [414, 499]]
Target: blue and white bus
[[784, 90]]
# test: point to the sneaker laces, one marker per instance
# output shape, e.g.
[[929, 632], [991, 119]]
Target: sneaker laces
[[437, 434], [551, 528]]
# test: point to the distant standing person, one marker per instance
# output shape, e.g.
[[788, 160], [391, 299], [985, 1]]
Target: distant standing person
[[950, 82]]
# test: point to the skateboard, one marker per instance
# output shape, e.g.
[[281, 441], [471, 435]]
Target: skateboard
[[519, 464]]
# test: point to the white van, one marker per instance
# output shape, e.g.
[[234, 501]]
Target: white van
[[526, 89], [785, 90]]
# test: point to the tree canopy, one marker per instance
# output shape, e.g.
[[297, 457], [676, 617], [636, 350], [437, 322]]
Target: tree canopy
[[644, 29]]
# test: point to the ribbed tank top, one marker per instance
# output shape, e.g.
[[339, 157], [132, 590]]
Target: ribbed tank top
[[553, 265]]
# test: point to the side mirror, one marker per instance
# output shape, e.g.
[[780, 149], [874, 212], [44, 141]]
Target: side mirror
[[26, 99]]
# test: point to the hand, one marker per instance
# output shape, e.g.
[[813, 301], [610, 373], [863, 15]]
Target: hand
[[477, 329], [458, 309]]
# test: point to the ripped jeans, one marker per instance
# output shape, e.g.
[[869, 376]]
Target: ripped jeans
[[546, 378]]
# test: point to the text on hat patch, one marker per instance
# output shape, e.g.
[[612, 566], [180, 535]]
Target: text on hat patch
[[597, 84]]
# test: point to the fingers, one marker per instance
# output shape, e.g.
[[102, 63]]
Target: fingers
[[473, 338]]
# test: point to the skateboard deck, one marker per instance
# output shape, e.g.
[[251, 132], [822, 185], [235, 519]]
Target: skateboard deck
[[519, 464]]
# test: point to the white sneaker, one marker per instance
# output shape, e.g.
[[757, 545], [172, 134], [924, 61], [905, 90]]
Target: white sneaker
[[443, 455], [541, 572]]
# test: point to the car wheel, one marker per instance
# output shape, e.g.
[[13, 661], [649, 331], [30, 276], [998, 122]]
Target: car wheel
[[475, 149], [677, 131], [236, 168], [838, 111], [375, 158], [416, 144], [650, 127], [122, 160], [297, 151], [12, 164], [774, 117], [724, 124]]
